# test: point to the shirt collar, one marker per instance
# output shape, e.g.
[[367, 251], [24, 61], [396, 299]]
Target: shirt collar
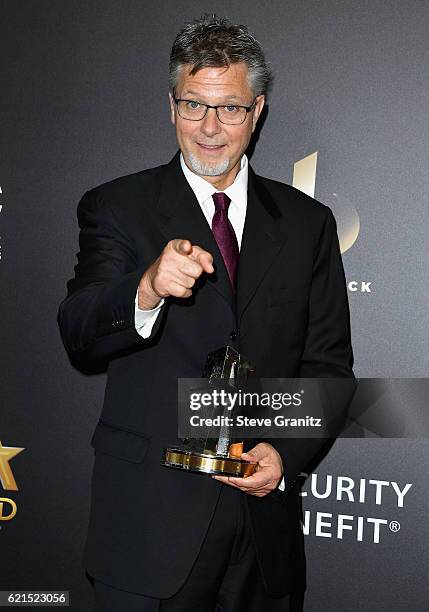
[[204, 190]]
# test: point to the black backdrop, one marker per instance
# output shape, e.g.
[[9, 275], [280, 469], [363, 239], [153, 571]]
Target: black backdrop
[[84, 99]]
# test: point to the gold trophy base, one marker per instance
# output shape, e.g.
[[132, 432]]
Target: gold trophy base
[[181, 459]]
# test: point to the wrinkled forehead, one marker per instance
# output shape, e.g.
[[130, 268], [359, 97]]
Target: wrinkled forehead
[[230, 82]]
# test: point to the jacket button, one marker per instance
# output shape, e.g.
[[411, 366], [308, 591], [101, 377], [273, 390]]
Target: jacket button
[[233, 336]]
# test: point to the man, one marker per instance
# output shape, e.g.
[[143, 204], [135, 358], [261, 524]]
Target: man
[[175, 262]]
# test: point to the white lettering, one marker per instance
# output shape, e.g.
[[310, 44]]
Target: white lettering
[[401, 494], [328, 488], [341, 488], [377, 523], [341, 526], [378, 484], [320, 523]]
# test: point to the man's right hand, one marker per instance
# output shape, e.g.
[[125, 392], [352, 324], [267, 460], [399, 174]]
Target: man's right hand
[[174, 273]]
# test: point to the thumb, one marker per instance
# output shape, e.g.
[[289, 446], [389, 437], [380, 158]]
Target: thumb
[[256, 453], [184, 247], [250, 456]]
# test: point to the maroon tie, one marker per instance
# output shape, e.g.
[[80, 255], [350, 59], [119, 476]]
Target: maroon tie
[[225, 235]]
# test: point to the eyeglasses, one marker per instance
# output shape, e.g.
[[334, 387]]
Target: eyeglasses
[[230, 114]]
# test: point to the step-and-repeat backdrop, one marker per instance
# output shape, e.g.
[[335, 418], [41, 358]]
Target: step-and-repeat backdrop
[[84, 100]]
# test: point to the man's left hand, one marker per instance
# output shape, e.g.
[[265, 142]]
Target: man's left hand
[[269, 470]]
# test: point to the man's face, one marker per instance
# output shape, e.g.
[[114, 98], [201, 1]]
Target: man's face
[[210, 148]]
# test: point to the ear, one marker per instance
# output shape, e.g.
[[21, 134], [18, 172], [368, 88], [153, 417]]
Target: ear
[[259, 105], [172, 108]]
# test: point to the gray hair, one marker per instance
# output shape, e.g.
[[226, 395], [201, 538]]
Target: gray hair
[[215, 41]]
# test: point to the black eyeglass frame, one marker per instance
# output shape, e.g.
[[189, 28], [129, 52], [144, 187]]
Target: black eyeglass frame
[[247, 109]]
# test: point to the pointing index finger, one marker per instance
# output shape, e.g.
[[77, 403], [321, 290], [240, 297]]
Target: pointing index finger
[[204, 258]]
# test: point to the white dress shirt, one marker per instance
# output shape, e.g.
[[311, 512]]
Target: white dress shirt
[[145, 319], [237, 192]]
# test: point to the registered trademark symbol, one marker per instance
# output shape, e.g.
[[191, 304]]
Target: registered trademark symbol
[[302, 390], [394, 526]]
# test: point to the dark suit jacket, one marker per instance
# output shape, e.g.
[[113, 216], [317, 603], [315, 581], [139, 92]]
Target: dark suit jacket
[[290, 318]]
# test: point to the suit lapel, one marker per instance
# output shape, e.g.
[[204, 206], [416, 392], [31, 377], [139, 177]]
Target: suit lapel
[[262, 240], [180, 216]]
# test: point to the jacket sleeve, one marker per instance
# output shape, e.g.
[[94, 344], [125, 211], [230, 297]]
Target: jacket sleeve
[[96, 319], [327, 354]]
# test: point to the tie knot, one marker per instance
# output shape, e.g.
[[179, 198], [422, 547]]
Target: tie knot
[[221, 201]]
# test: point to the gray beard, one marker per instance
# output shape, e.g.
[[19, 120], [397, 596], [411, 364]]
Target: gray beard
[[208, 169]]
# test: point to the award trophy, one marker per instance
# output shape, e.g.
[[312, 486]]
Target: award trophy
[[221, 454]]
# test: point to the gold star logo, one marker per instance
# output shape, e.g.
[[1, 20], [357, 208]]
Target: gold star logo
[[6, 476]]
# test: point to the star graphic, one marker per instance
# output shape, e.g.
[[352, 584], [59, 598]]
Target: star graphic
[[6, 476]]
